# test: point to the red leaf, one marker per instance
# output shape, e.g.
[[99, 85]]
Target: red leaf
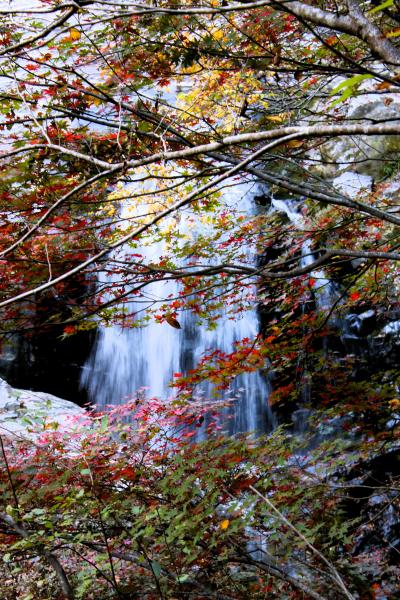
[[355, 296]]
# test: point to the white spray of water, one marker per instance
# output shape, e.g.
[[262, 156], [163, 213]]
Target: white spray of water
[[128, 361], [324, 290]]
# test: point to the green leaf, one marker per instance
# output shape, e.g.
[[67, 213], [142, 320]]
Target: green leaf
[[350, 82], [156, 567], [104, 424], [38, 511], [348, 86]]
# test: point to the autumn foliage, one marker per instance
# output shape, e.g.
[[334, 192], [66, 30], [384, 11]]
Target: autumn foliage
[[128, 504], [132, 136]]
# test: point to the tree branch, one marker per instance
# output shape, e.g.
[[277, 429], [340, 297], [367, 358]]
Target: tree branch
[[284, 520], [42, 34]]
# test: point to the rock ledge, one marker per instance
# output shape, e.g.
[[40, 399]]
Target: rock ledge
[[23, 411]]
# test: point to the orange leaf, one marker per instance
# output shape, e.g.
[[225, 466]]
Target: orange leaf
[[295, 144], [74, 34], [69, 329]]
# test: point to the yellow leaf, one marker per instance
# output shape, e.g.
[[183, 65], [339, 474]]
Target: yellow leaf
[[394, 403], [74, 34], [278, 118], [218, 35], [224, 524], [394, 33]]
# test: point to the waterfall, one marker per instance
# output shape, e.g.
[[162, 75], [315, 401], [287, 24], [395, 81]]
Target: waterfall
[[324, 297], [126, 362], [324, 289]]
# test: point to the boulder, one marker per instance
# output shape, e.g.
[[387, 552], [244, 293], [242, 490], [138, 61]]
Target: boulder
[[371, 156], [367, 155], [24, 412]]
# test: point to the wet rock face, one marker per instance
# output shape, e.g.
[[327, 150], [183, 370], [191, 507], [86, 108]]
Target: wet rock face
[[361, 324], [40, 356], [356, 328], [372, 495], [263, 199], [365, 155], [373, 337], [44, 361]]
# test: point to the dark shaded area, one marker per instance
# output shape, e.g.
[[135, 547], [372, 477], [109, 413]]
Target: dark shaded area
[[39, 356], [373, 496], [45, 362]]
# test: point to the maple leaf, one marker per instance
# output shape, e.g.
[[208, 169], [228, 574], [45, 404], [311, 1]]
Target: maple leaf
[[355, 296], [74, 34], [69, 329]]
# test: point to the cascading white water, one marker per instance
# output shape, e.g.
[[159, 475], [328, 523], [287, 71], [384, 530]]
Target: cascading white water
[[130, 361], [323, 286], [324, 294]]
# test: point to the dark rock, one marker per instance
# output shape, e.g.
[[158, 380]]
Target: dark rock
[[361, 324], [45, 361], [372, 495], [39, 356], [263, 199]]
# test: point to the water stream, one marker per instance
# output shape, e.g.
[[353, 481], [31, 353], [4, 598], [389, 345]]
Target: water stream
[[323, 287], [126, 362]]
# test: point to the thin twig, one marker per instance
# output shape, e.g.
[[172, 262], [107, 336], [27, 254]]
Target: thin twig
[[284, 520]]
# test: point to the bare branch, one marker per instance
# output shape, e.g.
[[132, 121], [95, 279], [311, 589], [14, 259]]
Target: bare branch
[[284, 520], [42, 34]]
